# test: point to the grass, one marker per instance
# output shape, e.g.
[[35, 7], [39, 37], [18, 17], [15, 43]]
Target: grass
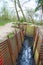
[[3, 22]]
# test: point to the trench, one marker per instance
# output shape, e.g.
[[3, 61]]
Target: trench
[[26, 54]]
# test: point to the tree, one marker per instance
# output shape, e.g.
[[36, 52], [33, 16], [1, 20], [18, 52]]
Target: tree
[[40, 5], [21, 10], [16, 10], [5, 13], [30, 15]]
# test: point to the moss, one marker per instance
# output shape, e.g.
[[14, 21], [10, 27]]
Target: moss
[[10, 35]]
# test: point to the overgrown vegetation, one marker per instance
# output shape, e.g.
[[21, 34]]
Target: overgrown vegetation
[[29, 17]]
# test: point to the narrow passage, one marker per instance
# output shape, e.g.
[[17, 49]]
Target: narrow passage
[[26, 54]]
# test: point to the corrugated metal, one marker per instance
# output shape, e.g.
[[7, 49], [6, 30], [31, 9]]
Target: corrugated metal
[[39, 49], [40, 63], [5, 58]]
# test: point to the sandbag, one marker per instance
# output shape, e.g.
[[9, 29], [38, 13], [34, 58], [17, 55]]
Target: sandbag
[[30, 30]]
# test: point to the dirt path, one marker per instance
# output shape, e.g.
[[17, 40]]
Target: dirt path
[[4, 30]]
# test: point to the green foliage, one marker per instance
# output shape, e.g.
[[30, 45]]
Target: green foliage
[[30, 13], [39, 23], [37, 8], [6, 18], [22, 19], [40, 4], [40, 1], [3, 22], [10, 35], [5, 13]]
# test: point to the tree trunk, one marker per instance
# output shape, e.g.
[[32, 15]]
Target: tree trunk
[[16, 10], [42, 12], [32, 19], [42, 8], [21, 10]]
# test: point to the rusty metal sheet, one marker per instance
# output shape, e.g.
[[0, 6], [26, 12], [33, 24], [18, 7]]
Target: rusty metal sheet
[[4, 53], [40, 46]]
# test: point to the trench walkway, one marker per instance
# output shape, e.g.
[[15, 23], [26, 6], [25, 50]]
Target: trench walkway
[[26, 54]]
